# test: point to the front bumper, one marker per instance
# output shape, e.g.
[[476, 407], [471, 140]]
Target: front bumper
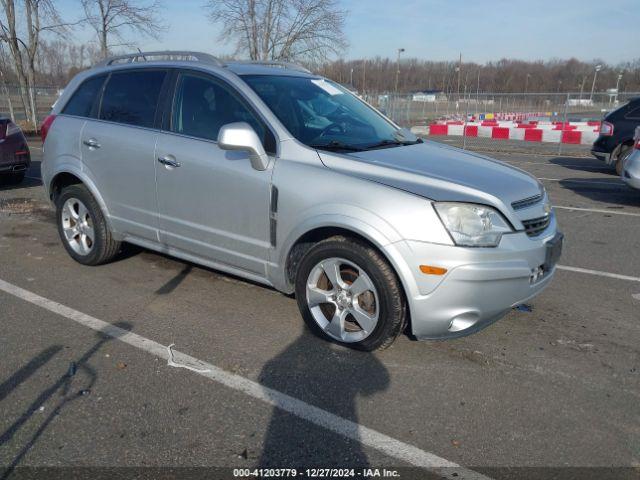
[[481, 284]]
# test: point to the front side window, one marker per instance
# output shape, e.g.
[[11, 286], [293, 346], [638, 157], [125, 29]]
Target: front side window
[[322, 114], [132, 97], [203, 105], [82, 100]]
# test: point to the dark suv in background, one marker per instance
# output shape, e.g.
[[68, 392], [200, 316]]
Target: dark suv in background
[[615, 142], [15, 158]]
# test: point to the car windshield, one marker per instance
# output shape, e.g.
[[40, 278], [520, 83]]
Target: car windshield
[[324, 115]]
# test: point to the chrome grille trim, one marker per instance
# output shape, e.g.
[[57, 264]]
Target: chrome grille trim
[[535, 226], [526, 202]]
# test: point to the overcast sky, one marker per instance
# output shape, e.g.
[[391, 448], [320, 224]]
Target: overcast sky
[[482, 30]]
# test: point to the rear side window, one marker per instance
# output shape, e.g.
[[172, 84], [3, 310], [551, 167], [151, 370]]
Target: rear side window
[[132, 97], [81, 102]]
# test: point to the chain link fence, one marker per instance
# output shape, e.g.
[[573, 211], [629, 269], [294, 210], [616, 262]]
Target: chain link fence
[[551, 123], [12, 106]]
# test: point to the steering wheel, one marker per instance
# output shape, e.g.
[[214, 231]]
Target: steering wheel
[[330, 127]]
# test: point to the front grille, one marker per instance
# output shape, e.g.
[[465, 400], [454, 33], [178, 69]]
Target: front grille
[[536, 226], [526, 202]]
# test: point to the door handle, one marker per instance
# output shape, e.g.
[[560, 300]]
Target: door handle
[[91, 143], [169, 161]]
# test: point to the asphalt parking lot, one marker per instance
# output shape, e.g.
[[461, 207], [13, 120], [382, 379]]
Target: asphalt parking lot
[[558, 386]]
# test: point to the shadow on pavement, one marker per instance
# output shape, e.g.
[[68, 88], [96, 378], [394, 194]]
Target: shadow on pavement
[[590, 165], [64, 384], [331, 378], [609, 190]]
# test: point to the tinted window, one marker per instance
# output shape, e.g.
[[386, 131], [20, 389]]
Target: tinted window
[[132, 97], [203, 105], [82, 100]]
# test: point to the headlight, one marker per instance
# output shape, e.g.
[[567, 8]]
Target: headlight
[[472, 225]]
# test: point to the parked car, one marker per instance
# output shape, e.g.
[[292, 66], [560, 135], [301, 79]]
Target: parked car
[[15, 157], [280, 176], [615, 141], [631, 168]]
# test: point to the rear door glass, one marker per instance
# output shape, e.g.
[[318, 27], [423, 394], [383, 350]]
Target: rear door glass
[[132, 97], [81, 102]]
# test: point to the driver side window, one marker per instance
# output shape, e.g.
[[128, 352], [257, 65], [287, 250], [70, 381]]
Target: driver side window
[[203, 105]]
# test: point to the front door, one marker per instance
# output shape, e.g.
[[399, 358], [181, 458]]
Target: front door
[[211, 202]]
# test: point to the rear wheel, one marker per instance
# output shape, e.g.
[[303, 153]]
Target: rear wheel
[[348, 293], [625, 151], [82, 227]]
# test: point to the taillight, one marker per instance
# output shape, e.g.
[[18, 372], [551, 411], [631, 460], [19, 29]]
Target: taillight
[[606, 129], [46, 125], [636, 138]]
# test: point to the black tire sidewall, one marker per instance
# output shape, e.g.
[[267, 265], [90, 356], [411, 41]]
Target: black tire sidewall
[[97, 219], [391, 307]]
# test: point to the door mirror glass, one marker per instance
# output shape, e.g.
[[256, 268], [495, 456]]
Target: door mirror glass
[[241, 136]]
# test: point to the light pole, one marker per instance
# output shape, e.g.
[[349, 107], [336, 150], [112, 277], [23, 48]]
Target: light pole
[[395, 89], [593, 85], [584, 79], [351, 78], [618, 87], [526, 83]]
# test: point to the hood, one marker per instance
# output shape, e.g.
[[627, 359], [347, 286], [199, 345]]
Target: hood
[[439, 172]]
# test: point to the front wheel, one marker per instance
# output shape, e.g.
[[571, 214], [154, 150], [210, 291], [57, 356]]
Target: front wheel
[[348, 293]]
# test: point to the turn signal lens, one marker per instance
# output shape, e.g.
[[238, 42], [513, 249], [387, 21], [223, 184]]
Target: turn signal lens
[[429, 270]]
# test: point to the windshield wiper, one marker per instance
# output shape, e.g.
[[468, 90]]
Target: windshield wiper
[[391, 143], [336, 146]]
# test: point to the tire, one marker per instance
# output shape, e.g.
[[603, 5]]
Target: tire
[[82, 227], [624, 152], [356, 261]]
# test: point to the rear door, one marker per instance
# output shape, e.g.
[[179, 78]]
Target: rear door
[[118, 149], [211, 202]]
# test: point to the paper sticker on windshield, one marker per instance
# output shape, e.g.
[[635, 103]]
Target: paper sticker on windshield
[[327, 87]]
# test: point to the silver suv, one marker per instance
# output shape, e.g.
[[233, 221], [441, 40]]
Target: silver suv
[[280, 176]]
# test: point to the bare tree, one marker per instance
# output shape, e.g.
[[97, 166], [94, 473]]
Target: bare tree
[[309, 30], [111, 19], [40, 16]]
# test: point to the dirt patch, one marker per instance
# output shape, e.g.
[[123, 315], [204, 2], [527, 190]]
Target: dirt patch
[[28, 207]]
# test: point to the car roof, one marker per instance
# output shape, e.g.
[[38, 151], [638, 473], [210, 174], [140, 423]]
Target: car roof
[[249, 68], [203, 60]]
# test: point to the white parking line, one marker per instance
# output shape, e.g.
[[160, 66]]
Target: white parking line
[[598, 273], [597, 210], [354, 431], [584, 180]]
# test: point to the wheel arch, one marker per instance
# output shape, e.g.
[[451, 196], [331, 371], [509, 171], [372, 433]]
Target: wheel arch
[[67, 177], [305, 240]]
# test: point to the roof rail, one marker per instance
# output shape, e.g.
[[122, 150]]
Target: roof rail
[[275, 63], [168, 54]]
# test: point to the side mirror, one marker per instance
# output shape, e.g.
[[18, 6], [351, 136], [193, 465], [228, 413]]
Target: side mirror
[[241, 136]]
